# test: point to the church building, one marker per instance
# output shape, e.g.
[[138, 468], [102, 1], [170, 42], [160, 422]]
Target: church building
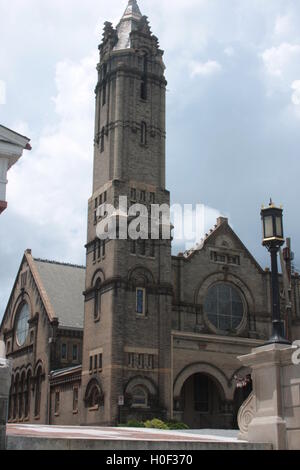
[[136, 333]]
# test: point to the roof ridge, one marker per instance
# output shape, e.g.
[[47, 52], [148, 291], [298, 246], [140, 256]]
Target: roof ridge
[[59, 263]]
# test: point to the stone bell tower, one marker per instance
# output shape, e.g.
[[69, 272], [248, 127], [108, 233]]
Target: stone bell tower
[[128, 297]]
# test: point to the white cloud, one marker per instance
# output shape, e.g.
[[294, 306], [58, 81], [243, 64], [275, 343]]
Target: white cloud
[[282, 60], [208, 68], [192, 224], [51, 184], [283, 25], [282, 68], [296, 94]]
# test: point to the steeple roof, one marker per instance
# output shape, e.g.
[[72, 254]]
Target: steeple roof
[[132, 10], [128, 23]]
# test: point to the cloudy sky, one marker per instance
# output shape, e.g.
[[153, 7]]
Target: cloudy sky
[[233, 116]]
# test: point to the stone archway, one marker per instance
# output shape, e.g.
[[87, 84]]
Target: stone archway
[[204, 368], [203, 397]]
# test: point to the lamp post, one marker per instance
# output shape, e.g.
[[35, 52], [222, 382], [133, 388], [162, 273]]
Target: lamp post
[[273, 239]]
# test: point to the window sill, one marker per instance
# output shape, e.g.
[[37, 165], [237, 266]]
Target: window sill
[[75, 412], [37, 418], [94, 408], [56, 414]]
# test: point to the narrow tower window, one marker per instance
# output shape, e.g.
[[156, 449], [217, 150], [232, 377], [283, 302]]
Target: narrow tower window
[[152, 249], [102, 140], [133, 247], [97, 301], [142, 246], [144, 90], [143, 133], [140, 301], [104, 93]]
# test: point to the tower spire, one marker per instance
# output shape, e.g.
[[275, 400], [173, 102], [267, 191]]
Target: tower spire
[[132, 11], [128, 23]]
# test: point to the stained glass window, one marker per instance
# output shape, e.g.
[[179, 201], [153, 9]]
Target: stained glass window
[[224, 307], [22, 325], [140, 298]]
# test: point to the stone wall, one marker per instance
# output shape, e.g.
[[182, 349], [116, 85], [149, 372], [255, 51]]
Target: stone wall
[[5, 374]]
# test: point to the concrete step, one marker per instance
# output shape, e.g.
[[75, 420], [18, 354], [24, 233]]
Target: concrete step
[[33, 437]]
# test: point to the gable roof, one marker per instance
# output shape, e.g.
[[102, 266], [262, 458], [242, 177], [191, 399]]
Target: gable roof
[[60, 287], [64, 285], [221, 225]]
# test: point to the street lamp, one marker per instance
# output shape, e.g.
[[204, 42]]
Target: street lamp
[[273, 239]]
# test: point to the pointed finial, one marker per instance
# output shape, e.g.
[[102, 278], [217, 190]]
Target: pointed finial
[[132, 9]]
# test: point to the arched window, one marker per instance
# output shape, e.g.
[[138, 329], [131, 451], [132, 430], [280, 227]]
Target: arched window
[[27, 395], [94, 400], [93, 395], [15, 398], [143, 133], [139, 397], [22, 396], [224, 307], [97, 299], [102, 139], [22, 326], [38, 386], [141, 301]]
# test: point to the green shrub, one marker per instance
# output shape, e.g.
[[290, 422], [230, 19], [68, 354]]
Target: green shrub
[[133, 423], [175, 425], [156, 424]]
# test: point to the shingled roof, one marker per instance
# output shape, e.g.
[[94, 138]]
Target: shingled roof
[[64, 284]]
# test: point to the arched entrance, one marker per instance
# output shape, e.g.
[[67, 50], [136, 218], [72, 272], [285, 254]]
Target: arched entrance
[[202, 402]]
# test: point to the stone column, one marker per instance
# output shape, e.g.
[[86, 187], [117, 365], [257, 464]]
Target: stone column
[[272, 413], [5, 379]]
